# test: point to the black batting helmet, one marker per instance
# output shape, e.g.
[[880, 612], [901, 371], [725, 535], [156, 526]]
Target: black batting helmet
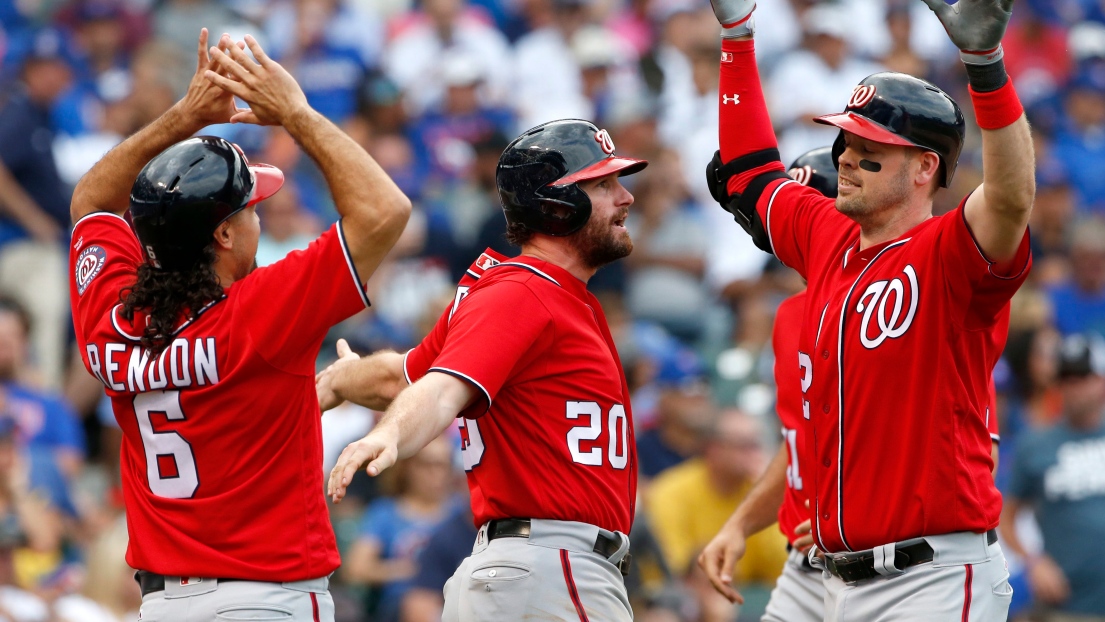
[[898, 109], [183, 194], [816, 168], [539, 172]]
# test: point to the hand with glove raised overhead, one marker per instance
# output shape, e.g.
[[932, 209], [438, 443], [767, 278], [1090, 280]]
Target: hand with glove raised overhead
[[735, 17], [974, 26]]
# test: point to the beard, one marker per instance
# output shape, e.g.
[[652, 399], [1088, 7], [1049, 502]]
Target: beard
[[878, 197], [599, 244]]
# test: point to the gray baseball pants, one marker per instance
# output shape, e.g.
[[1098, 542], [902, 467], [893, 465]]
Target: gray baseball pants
[[552, 575], [205, 600], [967, 581], [799, 594]]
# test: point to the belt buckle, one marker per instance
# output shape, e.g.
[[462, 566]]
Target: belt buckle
[[625, 563]]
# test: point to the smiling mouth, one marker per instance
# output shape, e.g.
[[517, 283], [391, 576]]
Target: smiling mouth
[[844, 181], [620, 222]]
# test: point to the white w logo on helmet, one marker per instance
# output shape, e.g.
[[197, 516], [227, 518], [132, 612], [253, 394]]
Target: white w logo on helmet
[[801, 174], [604, 141], [890, 323], [861, 95]]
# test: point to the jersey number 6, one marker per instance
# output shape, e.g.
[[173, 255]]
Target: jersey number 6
[[170, 463], [618, 424]]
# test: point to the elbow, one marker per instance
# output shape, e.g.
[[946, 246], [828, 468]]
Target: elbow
[[399, 212]]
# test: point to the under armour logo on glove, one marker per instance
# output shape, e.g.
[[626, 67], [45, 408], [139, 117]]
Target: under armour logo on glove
[[730, 99]]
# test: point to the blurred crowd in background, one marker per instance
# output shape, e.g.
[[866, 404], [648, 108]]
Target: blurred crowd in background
[[434, 90]]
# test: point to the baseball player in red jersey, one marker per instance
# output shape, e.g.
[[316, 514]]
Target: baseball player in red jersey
[[527, 361], [780, 493], [899, 333], [209, 362]]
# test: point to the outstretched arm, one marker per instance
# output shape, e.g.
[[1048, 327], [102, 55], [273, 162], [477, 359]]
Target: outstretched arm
[[419, 415], [374, 210], [106, 187], [757, 512], [373, 381], [997, 212]]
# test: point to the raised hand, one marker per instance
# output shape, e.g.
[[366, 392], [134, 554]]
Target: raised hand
[[735, 16], [974, 26], [204, 102], [272, 93]]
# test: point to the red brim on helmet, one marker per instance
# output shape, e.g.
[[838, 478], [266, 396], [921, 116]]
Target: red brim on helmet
[[602, 168], [267, 180], [864, 128]]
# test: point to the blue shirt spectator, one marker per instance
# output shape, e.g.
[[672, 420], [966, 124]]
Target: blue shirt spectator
[[1060, 474], [1079, 303], [448, 546]]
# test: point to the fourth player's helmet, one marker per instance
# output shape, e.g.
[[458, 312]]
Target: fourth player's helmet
[[539, 173], [898, 109], [182, 195], [816, 168]]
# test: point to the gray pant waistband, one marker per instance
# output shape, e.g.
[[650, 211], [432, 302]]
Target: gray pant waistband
[[569, 535]]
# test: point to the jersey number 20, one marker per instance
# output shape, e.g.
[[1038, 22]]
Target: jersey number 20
[[170, 463], [617, 425]]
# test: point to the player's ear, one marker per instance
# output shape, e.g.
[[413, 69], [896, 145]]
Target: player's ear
[[224, 235], [928, 168]]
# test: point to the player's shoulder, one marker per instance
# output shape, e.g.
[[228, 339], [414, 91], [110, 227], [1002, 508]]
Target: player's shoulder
[[514, 278]]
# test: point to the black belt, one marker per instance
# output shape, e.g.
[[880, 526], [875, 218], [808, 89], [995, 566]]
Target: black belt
[[852, 567], [519, 528], [150, 582]]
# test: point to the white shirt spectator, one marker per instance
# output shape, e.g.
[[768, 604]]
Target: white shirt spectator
[[804, 86], [547, 84], [413, 60]]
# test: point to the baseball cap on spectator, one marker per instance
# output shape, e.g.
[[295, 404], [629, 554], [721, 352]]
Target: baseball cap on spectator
[[1086, 40], [594, 47], [461, 70], [827, 19], [682, 370], [1082, 355], [99, 10], [47, 44]]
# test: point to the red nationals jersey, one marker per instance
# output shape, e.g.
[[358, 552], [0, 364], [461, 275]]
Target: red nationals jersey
[[900, 339], [221, 457], [551, 436], [788, 404]]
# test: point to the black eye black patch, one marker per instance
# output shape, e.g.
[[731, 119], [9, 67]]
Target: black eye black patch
[[868, 165]]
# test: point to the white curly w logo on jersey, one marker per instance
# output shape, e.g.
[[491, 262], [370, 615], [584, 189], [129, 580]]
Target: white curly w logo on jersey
[[889, 323]]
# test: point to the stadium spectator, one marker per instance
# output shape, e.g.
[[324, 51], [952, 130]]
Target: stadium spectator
[[395, 530], [36, 202], [1059, 473], [1080, 302], [688, 503]]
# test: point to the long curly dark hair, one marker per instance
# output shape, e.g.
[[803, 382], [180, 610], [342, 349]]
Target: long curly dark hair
[[170, 297]]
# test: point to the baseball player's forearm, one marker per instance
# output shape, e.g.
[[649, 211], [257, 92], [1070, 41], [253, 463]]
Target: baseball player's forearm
[[998, 211], [374, 210], [372, 382], [106, 187], [744, 127], [423, 411], [760, 509]]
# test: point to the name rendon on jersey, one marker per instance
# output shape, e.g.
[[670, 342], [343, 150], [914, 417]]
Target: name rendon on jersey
[[127, 367]]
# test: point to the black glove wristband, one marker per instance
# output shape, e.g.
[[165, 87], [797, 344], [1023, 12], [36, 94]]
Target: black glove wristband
[[987, 78]]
